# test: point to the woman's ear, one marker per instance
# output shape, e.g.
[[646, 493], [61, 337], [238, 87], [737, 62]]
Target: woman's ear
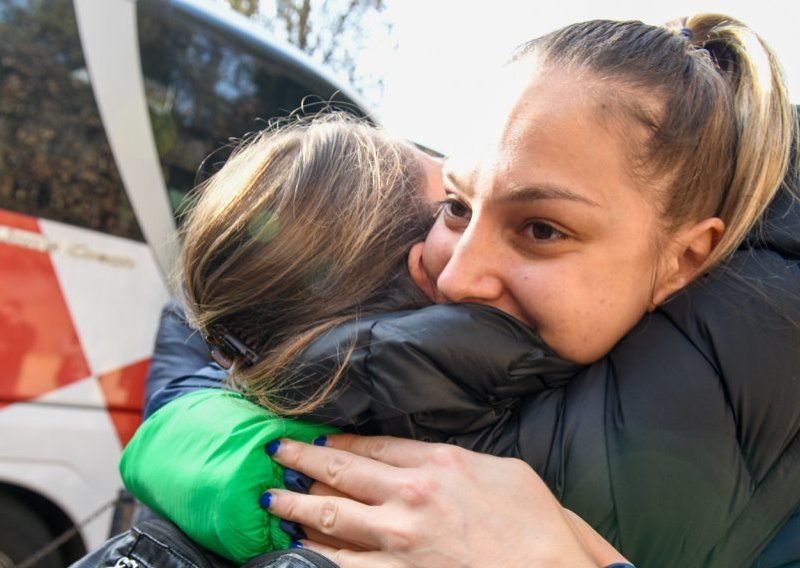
[[689, 250], [418, 273]]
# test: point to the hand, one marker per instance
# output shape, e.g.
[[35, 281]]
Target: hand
[[432, 505], [311, 487]]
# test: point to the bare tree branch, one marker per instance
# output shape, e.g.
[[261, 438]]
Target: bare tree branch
[[330, 31]]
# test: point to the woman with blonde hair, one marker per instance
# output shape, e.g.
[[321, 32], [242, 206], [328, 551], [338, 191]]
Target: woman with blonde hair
[[630, 209], [307, 226]]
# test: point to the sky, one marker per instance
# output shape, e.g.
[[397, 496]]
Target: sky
[[441, 45]]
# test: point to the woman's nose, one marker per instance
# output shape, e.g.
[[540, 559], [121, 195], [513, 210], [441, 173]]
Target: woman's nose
[[474, 272]]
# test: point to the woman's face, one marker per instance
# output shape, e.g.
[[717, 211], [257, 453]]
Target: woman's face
[[550, 225]]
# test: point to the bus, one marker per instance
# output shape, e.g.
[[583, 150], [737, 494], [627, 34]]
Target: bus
[[109, 111]]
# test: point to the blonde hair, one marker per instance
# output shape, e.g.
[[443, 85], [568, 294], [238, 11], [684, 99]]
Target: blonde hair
[[305, 227], [722, 130]]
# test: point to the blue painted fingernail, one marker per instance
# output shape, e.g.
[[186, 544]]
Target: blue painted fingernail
[[295, 544], [265, 499], [272, 447], [297, 481], [320, 440], [292, 529]]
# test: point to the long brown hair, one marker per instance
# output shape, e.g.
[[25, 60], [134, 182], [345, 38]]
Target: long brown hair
[[722, 128], [306, 226]]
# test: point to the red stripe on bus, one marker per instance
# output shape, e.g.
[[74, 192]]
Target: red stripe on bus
[[39, 346], [124, 392]]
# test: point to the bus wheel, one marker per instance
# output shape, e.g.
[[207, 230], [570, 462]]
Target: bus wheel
[[23, 534]]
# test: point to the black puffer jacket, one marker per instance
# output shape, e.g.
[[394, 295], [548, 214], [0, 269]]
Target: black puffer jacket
[[682, 446]]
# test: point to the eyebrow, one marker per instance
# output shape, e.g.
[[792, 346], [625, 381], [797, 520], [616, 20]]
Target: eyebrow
[[531, 193], [458, 183], [546, 191]]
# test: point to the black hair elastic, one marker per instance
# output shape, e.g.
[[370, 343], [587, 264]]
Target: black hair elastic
[[227, 348], [687, 33]]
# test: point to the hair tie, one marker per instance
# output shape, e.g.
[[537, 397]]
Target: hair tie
[[227, 348], [687, 33]]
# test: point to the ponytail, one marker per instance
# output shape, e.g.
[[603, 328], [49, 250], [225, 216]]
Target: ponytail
[[766, 123]]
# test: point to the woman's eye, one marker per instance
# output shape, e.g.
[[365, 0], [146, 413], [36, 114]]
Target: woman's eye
[[455, 209], [543, 231]]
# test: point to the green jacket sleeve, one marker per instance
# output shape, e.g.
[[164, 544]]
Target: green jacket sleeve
[[200, 462]]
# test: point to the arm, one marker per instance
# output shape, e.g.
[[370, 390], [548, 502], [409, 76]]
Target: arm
[[181, 362], [424, 362], [175, 461]]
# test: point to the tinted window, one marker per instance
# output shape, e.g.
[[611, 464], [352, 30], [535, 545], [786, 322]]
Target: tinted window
[[206, 87], [55, 161]]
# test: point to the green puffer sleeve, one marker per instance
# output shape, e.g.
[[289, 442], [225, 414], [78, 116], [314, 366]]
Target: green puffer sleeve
[[200, 462]]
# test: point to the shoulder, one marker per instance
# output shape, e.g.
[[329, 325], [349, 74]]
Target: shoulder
[[735, 333], [745, 316], [718, 364]]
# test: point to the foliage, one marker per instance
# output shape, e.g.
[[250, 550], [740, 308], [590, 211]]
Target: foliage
[[332, 32], [54, 159]]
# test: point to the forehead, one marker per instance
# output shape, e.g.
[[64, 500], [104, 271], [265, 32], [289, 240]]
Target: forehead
[[432, 188], [552, 132]]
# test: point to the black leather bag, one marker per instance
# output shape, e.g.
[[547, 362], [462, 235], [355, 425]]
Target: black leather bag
[[156, 543]]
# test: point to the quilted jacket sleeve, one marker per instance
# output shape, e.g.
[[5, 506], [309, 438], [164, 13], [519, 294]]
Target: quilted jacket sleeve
[[430, 373], [200, 462]]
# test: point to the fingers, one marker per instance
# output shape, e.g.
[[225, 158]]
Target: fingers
[[399, 452], [364, 479], [342, 519], [300, 483], [335, 543], [296, 481], [295, 531], [323, 490]]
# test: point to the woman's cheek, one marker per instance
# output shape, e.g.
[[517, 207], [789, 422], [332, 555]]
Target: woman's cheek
[[561, 318], [438, 249]]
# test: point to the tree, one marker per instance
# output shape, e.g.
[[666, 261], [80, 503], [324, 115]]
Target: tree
[[332, 32], [247, 7]]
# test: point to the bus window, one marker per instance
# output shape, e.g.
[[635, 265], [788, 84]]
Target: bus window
[[55, 161], [206, 87]]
